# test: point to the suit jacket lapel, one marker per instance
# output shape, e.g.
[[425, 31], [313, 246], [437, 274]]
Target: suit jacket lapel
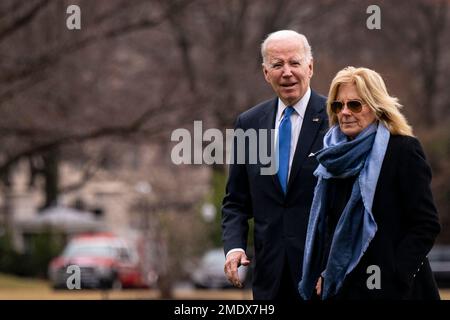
[[267, 121], [310, 128]]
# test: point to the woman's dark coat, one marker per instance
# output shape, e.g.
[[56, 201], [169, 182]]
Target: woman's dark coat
[[408, 224]]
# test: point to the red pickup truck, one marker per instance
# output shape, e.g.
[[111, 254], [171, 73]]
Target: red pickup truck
[[104, 261]]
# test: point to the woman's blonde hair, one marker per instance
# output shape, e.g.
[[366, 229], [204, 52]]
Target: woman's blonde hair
[[372, 90]]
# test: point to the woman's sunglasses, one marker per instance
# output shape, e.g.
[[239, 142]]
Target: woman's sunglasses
[[353, 105]]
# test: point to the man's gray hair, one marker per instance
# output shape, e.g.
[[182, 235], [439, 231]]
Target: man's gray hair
[[287, 34]]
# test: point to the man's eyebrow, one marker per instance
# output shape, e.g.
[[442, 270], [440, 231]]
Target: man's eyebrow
[[274, 61]]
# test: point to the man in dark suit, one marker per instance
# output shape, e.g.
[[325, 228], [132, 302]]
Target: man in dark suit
[[278, 203]]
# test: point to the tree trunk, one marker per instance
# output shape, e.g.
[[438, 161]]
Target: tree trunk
[[51, 176], [165, 286]]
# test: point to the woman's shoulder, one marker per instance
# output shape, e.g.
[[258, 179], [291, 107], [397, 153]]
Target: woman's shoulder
[[401, 139], [403, 142], [405, 145]]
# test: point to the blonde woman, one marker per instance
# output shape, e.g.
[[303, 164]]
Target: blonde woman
[[373, 220]]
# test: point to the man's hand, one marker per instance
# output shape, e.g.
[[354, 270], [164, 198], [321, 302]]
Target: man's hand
[[234, 260], [319, 286]]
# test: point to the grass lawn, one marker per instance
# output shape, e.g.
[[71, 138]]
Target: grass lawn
[[17, 288], [13, 282]]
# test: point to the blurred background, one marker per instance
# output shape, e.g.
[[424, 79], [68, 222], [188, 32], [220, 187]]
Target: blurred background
[[86, 118]]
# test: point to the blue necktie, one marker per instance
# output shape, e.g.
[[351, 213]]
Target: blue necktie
[[284, 144]]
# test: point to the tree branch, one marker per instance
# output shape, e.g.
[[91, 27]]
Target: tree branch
[[23, 19], [15, 6], [53, 55], [132, 128], [88, 172]]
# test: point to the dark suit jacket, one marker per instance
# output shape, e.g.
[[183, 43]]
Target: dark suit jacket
[[407, 227], [280, 221]]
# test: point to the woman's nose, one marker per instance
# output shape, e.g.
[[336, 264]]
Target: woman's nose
[[345, 110]]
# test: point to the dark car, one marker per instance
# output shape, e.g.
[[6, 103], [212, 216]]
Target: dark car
[[209, 272], [439, 258], [104, 261]]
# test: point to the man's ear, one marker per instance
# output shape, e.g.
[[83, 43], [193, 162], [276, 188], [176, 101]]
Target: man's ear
[[311, 68], [266, 72]]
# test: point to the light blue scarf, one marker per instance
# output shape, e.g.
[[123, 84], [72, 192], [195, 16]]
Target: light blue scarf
[[341, 158]]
